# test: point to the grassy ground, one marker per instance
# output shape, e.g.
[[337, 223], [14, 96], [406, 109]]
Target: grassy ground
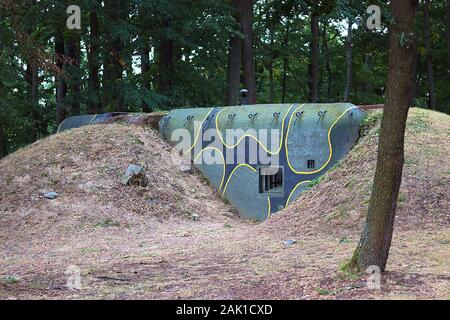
[[139, 243]]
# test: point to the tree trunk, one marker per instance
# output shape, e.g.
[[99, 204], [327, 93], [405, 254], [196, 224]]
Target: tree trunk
[[285, 63], [349, 61], [375, 242], [367, 86], [94, 64], [234, 61], [270, 67], [414, 85], [73, 71], [145, 70], [32, 80], [448, 31], [248, 52], [233, 71], [314, 65], [328, 61], [61, 86], [112, 89], [271, 83], [429, 60], [166, 66], [107, 86]]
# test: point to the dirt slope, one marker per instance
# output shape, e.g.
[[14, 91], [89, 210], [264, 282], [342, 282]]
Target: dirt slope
[[134, 243], [338, 204], [85, 166]]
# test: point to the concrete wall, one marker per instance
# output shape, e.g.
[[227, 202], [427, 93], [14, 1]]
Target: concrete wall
[[86, 120], [322, 133]]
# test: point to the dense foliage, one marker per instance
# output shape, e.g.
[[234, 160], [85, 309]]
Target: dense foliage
[[146, 55]]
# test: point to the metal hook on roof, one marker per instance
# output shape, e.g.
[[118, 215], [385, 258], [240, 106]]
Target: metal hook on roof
[[166, 121], [231, 117], [252, 116], [298, 115], [188, 119], [276, 115], [321, 115]]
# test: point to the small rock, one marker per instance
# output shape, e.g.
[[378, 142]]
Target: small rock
[[230, 214], [186, 168], [289, 242], [135, 175], [153, 201], [51, 195], [195, 216]]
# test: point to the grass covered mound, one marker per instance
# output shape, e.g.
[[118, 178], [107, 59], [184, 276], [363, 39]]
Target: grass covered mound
[[84, 166], [337, 204]]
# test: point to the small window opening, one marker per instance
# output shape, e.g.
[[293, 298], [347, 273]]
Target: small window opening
[[311, 164], [271, 179]]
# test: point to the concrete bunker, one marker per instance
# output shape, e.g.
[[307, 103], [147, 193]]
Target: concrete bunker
[[273, 155], [311, 139]]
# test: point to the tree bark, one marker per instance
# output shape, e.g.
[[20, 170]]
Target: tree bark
[[285, 63], [414, 85], [61, 86], [94, 64], [270, 68], [429, 60], [112, 89], [145, 70], [73, 71], [32, 80], [367, 86], [32, 89], [234, 61], [166, 66], [375, 242], [314, 65], [349, 61], [284, 81], [248, 52], [328, 61]]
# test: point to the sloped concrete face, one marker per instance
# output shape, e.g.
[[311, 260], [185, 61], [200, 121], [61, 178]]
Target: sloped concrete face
[[86, 120], [262, 157]]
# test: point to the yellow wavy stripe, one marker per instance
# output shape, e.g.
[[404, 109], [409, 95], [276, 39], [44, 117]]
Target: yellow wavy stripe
[[269, 207], [329, 143], [253, 137], [198, 132], [59, 127], [90, 122], [293, 190], [232, 172], [223, 159]]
